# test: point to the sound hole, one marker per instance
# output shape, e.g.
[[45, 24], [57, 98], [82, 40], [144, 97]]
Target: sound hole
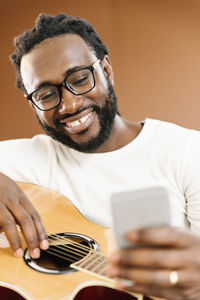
[[65, 248]]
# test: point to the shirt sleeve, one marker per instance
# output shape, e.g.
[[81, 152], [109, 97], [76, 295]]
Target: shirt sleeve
[[191, 181], [27, 160]]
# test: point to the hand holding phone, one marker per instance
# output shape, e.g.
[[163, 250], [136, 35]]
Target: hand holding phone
[[137, 209]]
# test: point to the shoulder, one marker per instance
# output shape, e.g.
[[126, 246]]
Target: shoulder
[[171, 138], [37, 144], [169, 131]]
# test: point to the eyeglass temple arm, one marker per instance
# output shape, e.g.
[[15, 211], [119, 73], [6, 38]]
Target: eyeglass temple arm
[[96, 63]]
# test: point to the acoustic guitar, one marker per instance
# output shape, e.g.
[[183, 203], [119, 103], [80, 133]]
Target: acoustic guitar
[[74, 266]]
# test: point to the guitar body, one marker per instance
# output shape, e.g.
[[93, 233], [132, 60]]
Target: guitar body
[[18, 281]]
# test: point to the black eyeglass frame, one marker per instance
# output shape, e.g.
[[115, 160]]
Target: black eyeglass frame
[[65, 85]]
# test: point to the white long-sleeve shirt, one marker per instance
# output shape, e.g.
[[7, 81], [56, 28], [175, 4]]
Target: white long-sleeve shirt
[[161, 153]]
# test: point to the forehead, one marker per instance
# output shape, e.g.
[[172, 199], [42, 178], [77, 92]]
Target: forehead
[[49, 60]]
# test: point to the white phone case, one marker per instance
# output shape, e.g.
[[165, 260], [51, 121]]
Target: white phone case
[[135, 209]]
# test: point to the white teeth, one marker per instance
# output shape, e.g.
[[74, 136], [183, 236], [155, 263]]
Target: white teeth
[[78, 122]]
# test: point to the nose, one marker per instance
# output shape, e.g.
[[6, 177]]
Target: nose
[[70, 103]]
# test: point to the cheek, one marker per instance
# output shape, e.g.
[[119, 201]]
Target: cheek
[[100, 92], [46, 117], [101, 81]]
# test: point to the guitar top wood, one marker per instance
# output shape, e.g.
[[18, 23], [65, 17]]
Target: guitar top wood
[[58, 215]]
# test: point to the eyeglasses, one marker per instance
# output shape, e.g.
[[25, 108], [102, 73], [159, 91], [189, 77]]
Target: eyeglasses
[[78, 82]]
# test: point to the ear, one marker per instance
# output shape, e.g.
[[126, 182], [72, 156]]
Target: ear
[[107, 69], [30, 103]]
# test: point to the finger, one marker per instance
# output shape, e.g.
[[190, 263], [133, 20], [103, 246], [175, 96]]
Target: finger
[[37, 221], [8, 225], [157, 258], [163, 236], [28, 229], [30, 223], [157, 278]]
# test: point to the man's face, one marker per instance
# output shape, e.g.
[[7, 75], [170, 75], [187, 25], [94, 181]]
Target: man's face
[[83, 122]]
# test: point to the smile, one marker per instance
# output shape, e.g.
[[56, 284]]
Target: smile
[[79, 121], [74, 126]]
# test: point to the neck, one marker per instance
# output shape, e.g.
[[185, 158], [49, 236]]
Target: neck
[[95, 263], [122, 133]]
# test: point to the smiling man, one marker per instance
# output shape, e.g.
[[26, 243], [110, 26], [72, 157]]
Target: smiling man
[[90, 151], [84, 120]]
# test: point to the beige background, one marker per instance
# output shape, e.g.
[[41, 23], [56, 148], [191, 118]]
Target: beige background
[[154, 47]]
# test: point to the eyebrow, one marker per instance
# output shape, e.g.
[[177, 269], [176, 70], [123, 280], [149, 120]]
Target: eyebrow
[[67, 73]]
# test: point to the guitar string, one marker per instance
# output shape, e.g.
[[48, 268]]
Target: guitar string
[[84, 248], [78, 245], [95, 257], [69, 259], [98, 255], [61, 254], [70, 247], [69, 240], [94, 269], [98, 268], [69, 252]]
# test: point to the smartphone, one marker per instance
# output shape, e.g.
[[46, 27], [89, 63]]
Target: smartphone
[[136, 209]]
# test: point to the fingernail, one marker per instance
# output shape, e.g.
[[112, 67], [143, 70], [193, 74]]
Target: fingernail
[[19, 252], [44, 245], [127, 282], [35, 253]]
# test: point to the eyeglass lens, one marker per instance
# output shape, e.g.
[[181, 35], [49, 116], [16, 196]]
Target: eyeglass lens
[[79, 82]]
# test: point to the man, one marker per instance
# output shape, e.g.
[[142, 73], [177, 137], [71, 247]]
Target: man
[[89, 151]]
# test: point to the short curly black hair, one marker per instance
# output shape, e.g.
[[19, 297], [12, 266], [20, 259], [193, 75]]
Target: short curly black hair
[[48, 26]]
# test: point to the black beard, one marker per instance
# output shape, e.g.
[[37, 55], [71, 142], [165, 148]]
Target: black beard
[[106, 116]]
